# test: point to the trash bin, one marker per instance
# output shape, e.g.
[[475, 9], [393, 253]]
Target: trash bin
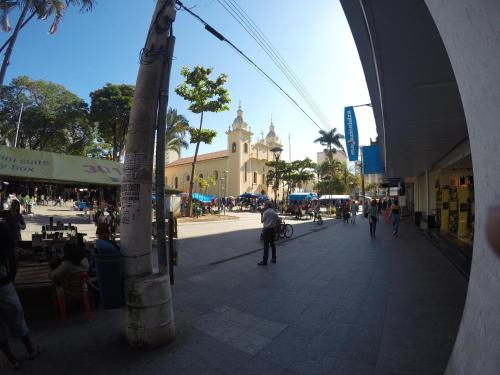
[[418, 218], [431, 221], [108, 265]]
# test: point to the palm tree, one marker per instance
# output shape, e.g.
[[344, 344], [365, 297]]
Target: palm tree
[[177, 127], [331, 140], [43, 9]]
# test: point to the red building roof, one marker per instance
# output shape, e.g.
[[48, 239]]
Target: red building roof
[[203, 157]]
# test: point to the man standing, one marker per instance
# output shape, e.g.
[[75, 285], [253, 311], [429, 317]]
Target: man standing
[[269, 220]]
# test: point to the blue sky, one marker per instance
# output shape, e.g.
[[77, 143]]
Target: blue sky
[[92, 49]]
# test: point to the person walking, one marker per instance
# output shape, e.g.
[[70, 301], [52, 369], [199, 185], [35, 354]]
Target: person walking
[[373, 217], [269, 220], [395, 218], [15, 221], [354, 211], [11, 310]]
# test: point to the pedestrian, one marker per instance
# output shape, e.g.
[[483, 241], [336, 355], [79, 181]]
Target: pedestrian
[[354, 211], [373, 217], [345, 212], [11, 310], [366, 208], [269, 220], [15, 221], [379, 207], [395, 218]]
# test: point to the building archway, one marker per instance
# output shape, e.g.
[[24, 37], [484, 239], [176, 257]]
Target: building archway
[[461, 33]]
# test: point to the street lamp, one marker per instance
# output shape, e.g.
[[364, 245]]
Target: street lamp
[[276, 152]]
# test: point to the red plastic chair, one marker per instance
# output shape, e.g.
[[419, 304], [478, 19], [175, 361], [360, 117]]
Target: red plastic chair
[[74, 288]]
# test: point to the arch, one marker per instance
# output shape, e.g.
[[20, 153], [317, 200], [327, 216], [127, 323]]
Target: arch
[[216, 175], [254, 177], [245, 148], [176, 182], [188, 177], [246, 172], [233, 147], [465, 28]]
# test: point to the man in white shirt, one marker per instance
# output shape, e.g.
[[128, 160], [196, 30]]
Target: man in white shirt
[[269, 220]]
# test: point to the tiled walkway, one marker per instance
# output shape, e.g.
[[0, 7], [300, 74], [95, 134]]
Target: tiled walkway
[[337, 302]]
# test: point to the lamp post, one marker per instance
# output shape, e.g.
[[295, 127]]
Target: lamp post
[[276, 152]]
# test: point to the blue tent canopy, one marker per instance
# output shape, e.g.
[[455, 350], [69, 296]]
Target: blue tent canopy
[[299, 197], [202, 198]]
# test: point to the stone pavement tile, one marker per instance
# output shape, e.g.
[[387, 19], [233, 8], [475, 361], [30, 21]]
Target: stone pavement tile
[[380, 370], [396, 357], [340, 366], [306, 366], [197, 367], [318, 310], [344, 315], [404, 336]]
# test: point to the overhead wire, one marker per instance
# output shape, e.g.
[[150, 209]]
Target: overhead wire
[[222, 38], [239, 14]]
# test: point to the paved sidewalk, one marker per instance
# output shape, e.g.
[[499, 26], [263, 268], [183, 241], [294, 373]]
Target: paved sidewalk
[[337, 302]]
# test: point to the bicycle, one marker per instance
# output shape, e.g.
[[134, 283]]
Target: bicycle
[[318, 219], [282, 230]]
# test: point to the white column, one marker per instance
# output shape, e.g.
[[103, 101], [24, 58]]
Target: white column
[[470, 30]]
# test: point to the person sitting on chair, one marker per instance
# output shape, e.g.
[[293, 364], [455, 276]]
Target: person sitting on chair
[[73, 261]]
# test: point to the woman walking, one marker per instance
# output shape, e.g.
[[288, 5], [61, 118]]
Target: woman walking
[[11, 310], [395, 218], [373, 217]]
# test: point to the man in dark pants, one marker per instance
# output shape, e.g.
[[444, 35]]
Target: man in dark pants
[[269, 220]]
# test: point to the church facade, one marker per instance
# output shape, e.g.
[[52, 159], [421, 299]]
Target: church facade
[[241, 168]]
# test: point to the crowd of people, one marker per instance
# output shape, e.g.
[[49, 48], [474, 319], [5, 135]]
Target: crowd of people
[[385, 207]]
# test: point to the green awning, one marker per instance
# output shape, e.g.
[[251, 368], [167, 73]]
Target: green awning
[[19, 163]]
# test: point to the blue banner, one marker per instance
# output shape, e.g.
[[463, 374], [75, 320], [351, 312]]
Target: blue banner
[[351, 134], [372, 159]]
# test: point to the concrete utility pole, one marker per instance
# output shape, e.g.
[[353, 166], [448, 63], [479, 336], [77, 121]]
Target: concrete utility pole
[[149, 318]]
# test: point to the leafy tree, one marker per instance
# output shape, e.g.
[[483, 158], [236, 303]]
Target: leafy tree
[[110, 108], [43, 9], [177, 126], [331, 140], [205, 183], [204, 95], [53, 119]]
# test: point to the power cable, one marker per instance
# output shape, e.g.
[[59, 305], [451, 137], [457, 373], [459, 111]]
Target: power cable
[[249, 29], [239, 14], [221, 37]]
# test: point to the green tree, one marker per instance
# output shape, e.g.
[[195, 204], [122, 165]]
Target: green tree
[[110, 108], [204, 95], [331, 140], [43, 9], [177, 127], [54, 119], [205, 183]]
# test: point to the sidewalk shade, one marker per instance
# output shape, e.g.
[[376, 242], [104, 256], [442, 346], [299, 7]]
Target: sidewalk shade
[[108, 266]]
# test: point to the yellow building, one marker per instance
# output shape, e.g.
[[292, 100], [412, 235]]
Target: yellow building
[[238, 169]]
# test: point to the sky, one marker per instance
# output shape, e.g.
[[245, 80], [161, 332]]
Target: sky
[[92, 49]]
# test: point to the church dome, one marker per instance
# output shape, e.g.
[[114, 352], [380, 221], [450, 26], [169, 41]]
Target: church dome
[[238, 122], [271, 137]]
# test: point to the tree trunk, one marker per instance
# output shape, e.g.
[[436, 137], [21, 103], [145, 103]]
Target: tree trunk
[[149, 318], [191, 180], [10, 47]]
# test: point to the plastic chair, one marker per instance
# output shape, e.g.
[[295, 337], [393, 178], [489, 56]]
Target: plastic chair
[[73, 288]]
